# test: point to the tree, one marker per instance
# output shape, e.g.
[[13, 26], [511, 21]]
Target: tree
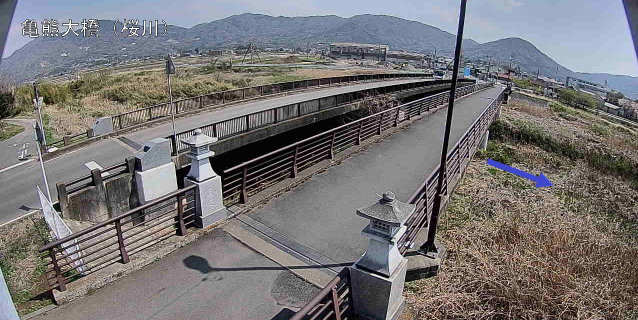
[[613, 97], [7, 101]]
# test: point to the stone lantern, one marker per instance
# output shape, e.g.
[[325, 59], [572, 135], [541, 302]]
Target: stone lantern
[[384, 230], [377, 278], [209, 201]]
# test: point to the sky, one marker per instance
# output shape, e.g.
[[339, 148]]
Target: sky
[[582, 35]]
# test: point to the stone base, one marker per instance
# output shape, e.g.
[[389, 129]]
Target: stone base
[[156, 182], [209, 203], [377, 297], [422, 266]]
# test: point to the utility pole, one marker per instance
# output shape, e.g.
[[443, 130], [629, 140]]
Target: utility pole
[[489, 65], [429, 246], [37, 105], [170, 69], [44, 174]]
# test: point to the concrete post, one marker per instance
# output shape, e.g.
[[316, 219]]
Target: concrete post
[[155, 174], [7, 309], [209, 202], [377, 278], [484, 139]]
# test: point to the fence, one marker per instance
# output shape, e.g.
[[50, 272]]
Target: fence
[[131, 118], [333, 302], [249, 178], [245, 123], [65, 188], [118, 238], [462, 151]]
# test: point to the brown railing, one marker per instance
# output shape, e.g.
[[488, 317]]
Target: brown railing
[[248, 178], [116, 239], [334, 301], [128, 166], [248, 122], [457, 157]]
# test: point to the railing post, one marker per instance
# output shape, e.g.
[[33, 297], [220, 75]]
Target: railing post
[[181, 228], [306, 84], [120, 241], [275, 114], [201, 102], [247, 123], [173, 145], [150, 114], [294, 162], [298, 109], [57, 270], [332, 145], [380, 123], [223, 97], [96, 175], [359, 132], [215, 130], [319, 104], [335, 303], [396, 118], [63, 197], [243, 196], [243, 94], [66, 140]]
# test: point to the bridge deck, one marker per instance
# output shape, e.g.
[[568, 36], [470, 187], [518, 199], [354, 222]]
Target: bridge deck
[[320, 213], [218, 277], [21, 198]]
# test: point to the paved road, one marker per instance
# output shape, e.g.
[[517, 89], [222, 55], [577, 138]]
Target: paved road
[[320, 213], [17, 185], [11, 148], [215, 277]]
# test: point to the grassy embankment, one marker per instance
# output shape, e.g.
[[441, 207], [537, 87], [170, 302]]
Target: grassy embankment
[[9, 130], [563, 252]]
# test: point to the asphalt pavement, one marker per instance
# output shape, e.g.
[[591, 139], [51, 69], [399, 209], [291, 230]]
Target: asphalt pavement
[[12, 147], [17, 184]]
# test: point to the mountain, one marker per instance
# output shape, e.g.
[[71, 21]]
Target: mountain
[[48, 56], [525, 55]]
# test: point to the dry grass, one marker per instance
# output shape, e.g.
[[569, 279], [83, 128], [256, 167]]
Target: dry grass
[[22, 266], [515, 252]]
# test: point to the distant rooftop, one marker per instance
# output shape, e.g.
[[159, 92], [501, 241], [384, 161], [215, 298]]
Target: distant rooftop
[[364, 45]]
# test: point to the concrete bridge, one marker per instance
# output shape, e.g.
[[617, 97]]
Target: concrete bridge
[[20, 198], [242, 270]]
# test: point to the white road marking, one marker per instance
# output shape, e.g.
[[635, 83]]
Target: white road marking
[[16, 165], [18, 218]]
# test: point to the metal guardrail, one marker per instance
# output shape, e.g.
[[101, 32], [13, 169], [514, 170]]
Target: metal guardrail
[[334, 301], [248, 122], [145, 114], [462, 151], [120, 237], [248, 178]]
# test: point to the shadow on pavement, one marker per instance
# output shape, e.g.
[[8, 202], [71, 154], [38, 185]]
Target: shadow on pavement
[[201, 264]]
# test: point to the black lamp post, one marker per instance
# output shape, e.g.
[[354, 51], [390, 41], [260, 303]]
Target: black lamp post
[[429, 246]]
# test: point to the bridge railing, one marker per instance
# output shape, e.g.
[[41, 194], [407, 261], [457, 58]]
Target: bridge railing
[[116, 239], [145, 114], [248, 178], [245, 123], [458, 156], [334, 301], [161, 110]]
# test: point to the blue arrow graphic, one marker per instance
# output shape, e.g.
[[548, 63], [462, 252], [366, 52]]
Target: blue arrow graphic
[[540, 180]]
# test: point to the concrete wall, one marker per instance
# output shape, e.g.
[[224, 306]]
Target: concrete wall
[[99, 203]]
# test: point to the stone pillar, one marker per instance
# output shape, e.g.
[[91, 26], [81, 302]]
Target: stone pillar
[[7, 309], [208, 195], [155, 174], [484, 139], [377, 278]]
